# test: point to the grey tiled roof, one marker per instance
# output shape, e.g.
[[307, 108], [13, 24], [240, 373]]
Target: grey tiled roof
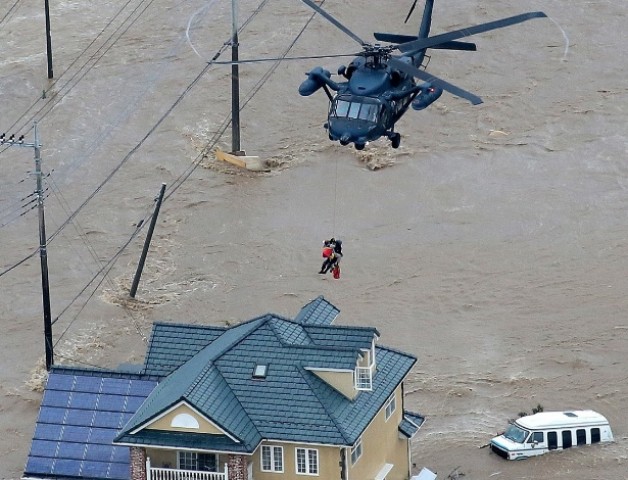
[[171, 345], [318, 312], [410, 423], [291, 403]]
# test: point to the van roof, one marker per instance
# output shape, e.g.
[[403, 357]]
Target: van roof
[[566, 419]]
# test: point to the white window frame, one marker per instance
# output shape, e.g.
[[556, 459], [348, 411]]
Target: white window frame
[[390, 406], [192, 458], [311, 468], [276, 458], [356, 452]]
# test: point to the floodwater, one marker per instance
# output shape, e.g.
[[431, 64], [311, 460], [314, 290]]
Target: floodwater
[[493, 244]]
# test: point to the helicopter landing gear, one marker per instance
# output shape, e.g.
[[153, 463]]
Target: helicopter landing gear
[[395, 140], [359, 146]]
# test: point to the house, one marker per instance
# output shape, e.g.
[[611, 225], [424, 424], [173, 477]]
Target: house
[[271, 398]]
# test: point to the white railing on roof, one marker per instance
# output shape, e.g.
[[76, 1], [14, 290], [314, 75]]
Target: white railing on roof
[[364, 377], [177, 474]]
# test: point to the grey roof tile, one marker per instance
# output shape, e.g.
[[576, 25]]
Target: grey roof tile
[[411, 423], [318, 312]]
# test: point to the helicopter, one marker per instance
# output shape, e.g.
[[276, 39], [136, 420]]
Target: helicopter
[[379, 87]]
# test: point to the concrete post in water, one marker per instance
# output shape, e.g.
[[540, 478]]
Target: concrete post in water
[[149, 235]]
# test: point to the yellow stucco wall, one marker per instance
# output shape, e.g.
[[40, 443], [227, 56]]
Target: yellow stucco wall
[[380, 445], [328, 458], [341, 381], [204, 426]]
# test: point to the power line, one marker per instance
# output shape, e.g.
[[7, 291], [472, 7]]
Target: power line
[[182, 178], [59, 96], [6, 15]]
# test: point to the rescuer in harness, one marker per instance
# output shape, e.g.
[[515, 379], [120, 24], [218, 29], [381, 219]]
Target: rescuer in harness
[[332, 252]]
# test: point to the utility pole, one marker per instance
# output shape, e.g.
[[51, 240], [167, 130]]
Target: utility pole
[[43, 256], [235, 82], [149, 236], [48, 39]]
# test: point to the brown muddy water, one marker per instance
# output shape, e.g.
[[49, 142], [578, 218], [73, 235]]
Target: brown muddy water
[[493, 244]]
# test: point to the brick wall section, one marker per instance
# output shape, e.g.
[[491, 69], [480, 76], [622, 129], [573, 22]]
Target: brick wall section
[[237, 467], [138, 463]]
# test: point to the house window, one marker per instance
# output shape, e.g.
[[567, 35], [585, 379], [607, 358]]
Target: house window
[[272, 459], [391, 405], [356, 452], [197, 461], [307, 461], [185, 420]]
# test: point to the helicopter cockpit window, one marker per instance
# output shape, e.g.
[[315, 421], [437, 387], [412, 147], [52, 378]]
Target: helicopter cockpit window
[[356, 110], [342, 107], [369, 112]]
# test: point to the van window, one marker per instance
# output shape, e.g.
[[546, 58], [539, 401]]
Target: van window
[[581, 436], [552, 440], [516, 434], [536, 437], [567, 439], [595, 435]]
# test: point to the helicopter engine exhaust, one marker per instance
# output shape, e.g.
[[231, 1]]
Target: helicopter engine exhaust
[[316, 78], [428, 95]]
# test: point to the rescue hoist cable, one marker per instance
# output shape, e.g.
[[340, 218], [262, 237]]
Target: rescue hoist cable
[[333, 230]]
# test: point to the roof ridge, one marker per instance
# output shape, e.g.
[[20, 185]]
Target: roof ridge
[[394, 350], [219, 373], [194, 325], [341, 327], [293, 323]]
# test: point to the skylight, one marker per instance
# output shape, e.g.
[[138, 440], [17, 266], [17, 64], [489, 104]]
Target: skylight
[[260, 371]]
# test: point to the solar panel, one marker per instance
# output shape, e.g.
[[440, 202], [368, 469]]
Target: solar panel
[[88, 384], [38, 465], [83, 400], [66, 467], [80, 416], [56, 398], [51, 415]]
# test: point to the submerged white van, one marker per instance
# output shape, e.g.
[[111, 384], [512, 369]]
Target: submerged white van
[[539, 433]]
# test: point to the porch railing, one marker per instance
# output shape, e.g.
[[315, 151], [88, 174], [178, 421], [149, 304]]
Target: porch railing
[[153, 473]]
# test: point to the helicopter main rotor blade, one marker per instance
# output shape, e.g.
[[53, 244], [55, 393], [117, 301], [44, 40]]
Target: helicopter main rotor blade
[[339, 25], [427, 77], [277, 59], [410, 12], [423, 43]]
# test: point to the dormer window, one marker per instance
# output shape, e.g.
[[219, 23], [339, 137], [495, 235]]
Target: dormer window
[[260, 371], [365, 369]]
